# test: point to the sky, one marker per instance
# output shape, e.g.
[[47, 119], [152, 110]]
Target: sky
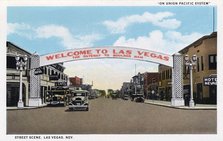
[[51, 29]]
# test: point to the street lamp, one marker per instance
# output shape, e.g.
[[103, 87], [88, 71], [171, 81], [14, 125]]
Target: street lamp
[[21, 62], [191, 63]]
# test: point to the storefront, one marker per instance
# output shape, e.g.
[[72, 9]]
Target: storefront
[[13, 93], [211, 83]]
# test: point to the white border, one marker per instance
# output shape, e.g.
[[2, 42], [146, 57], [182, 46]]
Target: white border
[[98, 2], [132, 137]]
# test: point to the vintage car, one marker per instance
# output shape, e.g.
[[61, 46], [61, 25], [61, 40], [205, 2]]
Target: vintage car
[[138, 98], [56, 97], [125, 97], [79, 100], [57, 100]]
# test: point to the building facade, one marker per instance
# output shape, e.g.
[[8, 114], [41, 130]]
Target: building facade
[[53, 77], [12, 79], [205, 49], [76, 81], [151, 80], [165, 82], [50, 75], [126, 88]]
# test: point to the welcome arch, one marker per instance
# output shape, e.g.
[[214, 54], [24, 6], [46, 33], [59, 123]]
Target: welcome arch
[[116, 52], [106, 52]]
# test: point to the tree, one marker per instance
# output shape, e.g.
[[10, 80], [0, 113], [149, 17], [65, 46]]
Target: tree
[[110, 92]]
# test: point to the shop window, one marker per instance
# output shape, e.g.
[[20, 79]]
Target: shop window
[[167, 74], [202, 63], [212, 62], [198, 64], [163, 75], [213, 94]]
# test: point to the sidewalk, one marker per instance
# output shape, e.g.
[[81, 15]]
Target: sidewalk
[[168, 104], [24, 108]]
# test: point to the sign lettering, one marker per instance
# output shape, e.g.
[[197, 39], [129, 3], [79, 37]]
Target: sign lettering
[[64, 83], [107, 52], [208, 81], [38, 71]]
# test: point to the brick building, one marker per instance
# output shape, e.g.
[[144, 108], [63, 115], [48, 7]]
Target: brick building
[[76, 81], [151, 80]]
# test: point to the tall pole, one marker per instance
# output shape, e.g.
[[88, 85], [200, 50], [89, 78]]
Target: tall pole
[[20, 65], [191, 63], [191, 85], [20, 102], [135, 79]]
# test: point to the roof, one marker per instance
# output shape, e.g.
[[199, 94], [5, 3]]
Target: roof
[[199, 41], [10, 44]]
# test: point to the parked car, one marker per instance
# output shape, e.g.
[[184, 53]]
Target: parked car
[[125, 97], [56, 97], [139, 98], [114, 95]]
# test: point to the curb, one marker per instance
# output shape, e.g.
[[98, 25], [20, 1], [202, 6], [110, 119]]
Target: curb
[[183, 108]]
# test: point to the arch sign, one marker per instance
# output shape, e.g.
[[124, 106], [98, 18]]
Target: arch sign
[[106, 52], [116, 52]]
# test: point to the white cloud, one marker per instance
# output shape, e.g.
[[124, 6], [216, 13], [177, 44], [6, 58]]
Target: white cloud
[[160, 19], [20, 29], [67, 39], [169, 42], [111, 73]]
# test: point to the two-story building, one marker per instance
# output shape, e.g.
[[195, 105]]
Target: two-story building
[[205, 49], [13, 76], [50, 75], [150, 87], [204, 91]]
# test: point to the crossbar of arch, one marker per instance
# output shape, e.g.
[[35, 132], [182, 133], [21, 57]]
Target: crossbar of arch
[[115, 52]]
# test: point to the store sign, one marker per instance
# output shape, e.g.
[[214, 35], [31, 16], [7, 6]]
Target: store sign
[[59, 88], [53, 77], [208, 81], [107, 52], [64, 83], [38, 71]]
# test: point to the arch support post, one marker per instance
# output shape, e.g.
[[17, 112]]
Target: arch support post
[[35, 80], [177, 81]]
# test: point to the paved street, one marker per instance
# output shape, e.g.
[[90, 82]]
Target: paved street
[[107, 116]]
